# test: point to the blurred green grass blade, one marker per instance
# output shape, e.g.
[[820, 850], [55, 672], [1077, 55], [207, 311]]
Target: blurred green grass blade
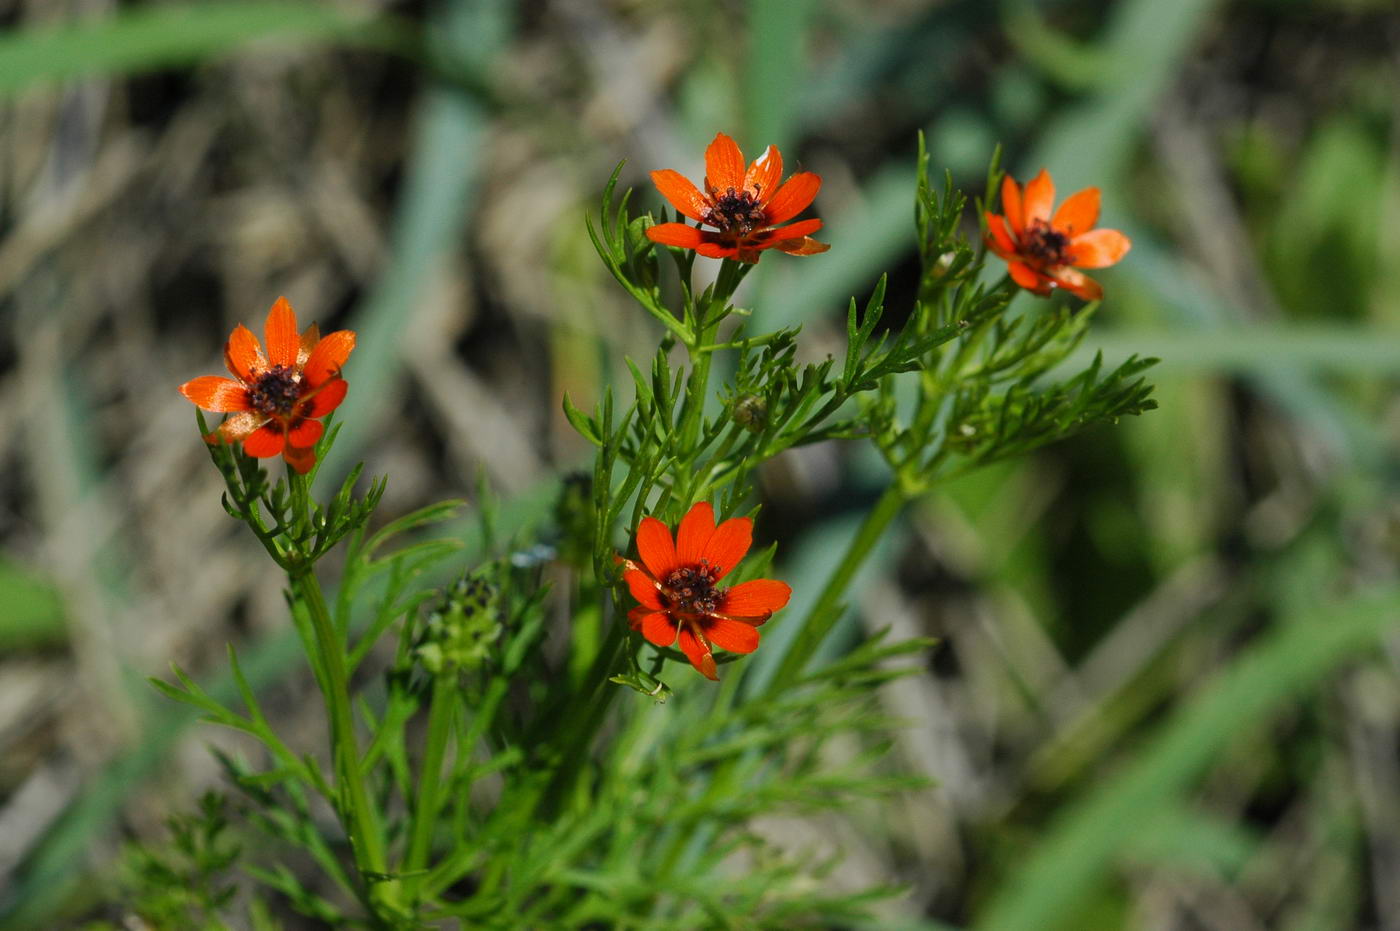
[[1081, 844], [1183, 838], [33, 613], [775, 70], [1068, 61], [1338, 350], [864, 239], [1142, 49], [151, 37], [430, 223], [1169, 283], [1146, 42]]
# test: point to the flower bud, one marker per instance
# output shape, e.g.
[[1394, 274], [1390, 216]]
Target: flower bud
[[751, 411], [462, 631]]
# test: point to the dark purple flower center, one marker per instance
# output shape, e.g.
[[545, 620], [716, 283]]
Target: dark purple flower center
[[736, 212], [275, 391], [1044, 243], [691, 589]]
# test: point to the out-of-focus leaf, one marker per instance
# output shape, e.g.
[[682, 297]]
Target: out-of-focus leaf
[[1081, 845], [1339, 350], [150, 37], [31, 612]]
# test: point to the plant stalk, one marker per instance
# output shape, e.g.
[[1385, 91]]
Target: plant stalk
[[826, 611], [425, 812], [357, 814]]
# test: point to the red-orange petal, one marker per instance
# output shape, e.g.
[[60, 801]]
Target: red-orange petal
[[237, 428], [734, 636], [694, 533], [305, 433], [280, 333], [793, 197], [729, 544], [712, 249], [764, 174], [1028, 278], [328, 356], [216, 393], [634, 616], [243, 355], [327, 398], [642, 588], [683, 195], [265, 441], [998, 237], [757, 599], [658, 628], [300, 459], [1078, 214], [1038, 198], [724, 164], [798, 230], [1080, 285], [699, 654], [675, 234], [1011, 205], [1098, 248], [804, 246], [309, 338], [656, 548]]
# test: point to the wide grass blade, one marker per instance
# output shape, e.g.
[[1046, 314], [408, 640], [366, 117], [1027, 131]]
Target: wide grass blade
[[151, 37], [1081, 845]]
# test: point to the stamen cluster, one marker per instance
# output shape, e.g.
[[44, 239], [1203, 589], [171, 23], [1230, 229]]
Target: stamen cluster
[[275, 391], [691, 589], [1047, 244], [736, 212]]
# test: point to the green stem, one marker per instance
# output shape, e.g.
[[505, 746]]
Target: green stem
[[826, 611], [577, 726], [357, 814], [425, 813], [696, 388], [706, 323]]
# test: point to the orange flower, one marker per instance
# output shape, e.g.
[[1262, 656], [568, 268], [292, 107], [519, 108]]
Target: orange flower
[[275, 399], [745, 206], [1040, 249], [677, 585]]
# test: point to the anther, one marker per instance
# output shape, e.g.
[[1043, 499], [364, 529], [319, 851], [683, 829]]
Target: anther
[[275, 391], [1047, 244]]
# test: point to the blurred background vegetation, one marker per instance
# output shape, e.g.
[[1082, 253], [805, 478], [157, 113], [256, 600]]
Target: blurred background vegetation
[[1166, 690]]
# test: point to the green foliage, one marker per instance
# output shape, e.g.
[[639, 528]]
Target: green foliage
[[185, 883], [34, 613], [294, 529], [629, 812], [1291, 661], [988, 393], [1114, 75], [144, 39]]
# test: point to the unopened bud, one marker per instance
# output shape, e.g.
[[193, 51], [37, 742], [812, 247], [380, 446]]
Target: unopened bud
[[462, 631], [751, 411]]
